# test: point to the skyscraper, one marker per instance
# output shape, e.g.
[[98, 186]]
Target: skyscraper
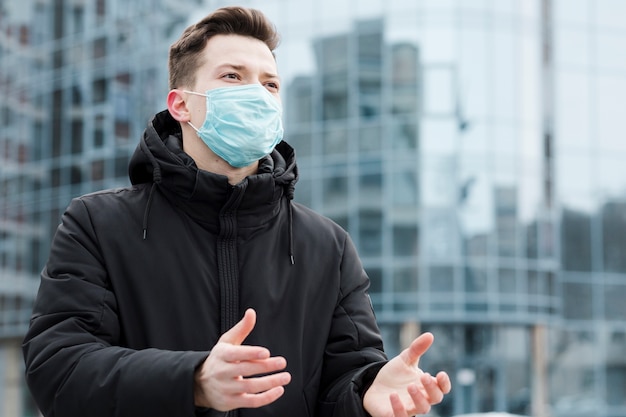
[[472, 148], [78, 80]]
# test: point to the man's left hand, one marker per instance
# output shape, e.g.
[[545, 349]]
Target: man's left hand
[[401, 389]]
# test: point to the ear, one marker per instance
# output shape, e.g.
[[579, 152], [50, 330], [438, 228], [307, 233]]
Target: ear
[[177, 106]]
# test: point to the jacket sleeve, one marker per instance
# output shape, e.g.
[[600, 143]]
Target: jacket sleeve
[[74, 364], [354, 351]]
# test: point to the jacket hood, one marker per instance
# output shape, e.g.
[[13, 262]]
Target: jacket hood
[[159, 160]]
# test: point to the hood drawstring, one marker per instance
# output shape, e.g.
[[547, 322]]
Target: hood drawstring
[[146, 212], [156, 178], [290, 192], [293, 262]]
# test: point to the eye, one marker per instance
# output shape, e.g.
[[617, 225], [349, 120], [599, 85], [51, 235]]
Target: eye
[[231, 76], [272, 86]]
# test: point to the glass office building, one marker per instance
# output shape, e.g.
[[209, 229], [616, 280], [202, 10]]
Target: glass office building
[[472, 148], [79, 80]]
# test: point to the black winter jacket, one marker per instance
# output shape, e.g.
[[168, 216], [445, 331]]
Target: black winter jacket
[[141, 282]]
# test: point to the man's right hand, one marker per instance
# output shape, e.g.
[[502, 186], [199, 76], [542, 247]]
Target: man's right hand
[[228, 378]]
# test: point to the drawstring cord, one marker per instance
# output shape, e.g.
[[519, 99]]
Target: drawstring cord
[[290, 188], [146, 212], [293, 262], [156, 178]]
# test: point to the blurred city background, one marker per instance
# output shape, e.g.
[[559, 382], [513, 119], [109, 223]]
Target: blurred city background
[[474, 149]]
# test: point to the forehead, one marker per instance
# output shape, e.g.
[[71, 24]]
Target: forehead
[[238, 50]]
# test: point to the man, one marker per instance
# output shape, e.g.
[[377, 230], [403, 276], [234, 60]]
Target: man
[[203, 289]]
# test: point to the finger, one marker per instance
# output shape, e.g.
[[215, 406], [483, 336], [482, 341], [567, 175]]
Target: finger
[[420, 400], [433, 390], [397, 406], [260, 367], [261, 399], [418, 347], [443, 380], [238, 333], [261, 384], [240, 353]]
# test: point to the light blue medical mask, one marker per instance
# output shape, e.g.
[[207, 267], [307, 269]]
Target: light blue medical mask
[[242, 124]]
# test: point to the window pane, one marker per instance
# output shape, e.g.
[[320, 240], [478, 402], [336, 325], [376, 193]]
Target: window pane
[[577, 301], [576, 241], [615, 303]]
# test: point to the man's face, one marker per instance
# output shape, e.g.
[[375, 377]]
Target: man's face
[[229, 61]]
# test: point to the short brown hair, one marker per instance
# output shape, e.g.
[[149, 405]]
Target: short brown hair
[[185, 55]]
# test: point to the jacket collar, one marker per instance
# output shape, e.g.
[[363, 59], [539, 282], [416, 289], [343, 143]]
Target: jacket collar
[[159, 159]]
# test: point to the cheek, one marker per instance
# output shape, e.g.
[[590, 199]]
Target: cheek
[[198, 115]]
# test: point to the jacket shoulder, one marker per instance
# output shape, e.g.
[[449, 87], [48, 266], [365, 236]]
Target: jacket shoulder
[[110, 206], [311, 222], [121, 196], [115, 193]]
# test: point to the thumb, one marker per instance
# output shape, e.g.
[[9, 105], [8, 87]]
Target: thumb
[[418, 347], [238, 333]]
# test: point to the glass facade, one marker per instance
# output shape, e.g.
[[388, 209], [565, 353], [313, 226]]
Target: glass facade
[[78, 81], [472, 148], [589, 95]]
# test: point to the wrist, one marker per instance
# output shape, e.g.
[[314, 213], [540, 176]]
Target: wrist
[[200, 399]]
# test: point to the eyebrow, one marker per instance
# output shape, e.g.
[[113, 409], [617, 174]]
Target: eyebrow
[[243, 68]]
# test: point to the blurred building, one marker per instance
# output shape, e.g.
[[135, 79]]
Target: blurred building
[[388, 150], [78, 80], [473, 150]]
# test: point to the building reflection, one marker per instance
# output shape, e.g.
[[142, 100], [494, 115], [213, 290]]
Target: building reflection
[[472, 149], [444, 229]]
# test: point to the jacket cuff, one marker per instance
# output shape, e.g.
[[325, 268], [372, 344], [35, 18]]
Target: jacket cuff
[[363, 379], [349, 401]]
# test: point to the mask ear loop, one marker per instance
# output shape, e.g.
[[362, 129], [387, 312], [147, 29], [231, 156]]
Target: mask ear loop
[[192, 126], [197, 94]]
